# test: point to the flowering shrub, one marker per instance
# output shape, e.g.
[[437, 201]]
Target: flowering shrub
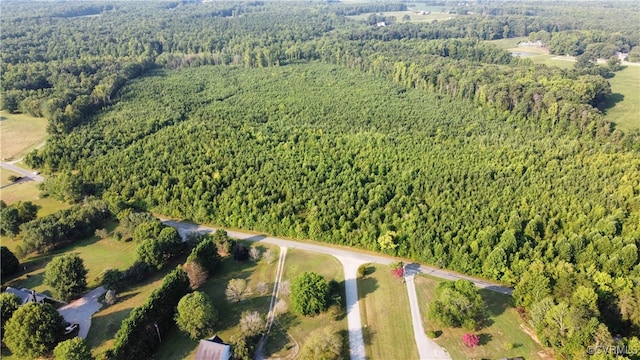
[[471, 340]]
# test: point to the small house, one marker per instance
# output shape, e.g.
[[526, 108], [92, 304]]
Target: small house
[[26, 296], [213, 349]]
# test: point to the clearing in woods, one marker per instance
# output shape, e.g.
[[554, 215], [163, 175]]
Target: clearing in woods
[[20, 134]]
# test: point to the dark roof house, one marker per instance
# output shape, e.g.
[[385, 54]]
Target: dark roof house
[[213, 348], [27, 296]]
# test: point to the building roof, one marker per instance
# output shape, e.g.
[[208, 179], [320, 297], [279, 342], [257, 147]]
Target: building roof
[[27, 296], [213, 349]]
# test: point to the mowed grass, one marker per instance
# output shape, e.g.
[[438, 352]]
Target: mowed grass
[[299, 328], [386, 316], [623, 107], [503, 338], [28, 191], [177, 345], [97, 255], [414, 15], [20, 134], [4, 176]]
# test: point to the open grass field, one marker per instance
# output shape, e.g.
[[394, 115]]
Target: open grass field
[[413, 14], [178, 346], [97, 254], [386, 319], [503, 338], [298, 327], [20, 134], [28, 191], [623, 107], [4, 176]]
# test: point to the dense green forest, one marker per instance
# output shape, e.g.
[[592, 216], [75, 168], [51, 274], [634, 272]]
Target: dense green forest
[[295, 120]]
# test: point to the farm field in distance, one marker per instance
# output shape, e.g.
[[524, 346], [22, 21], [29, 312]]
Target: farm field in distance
[[20, 134], [342, 133]]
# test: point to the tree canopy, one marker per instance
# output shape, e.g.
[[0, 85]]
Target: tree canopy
[[33, 330], [458, 304], [196, 315], [67, 276], [309, 294]]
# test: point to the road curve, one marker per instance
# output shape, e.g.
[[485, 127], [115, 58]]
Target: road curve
[[427, 348]]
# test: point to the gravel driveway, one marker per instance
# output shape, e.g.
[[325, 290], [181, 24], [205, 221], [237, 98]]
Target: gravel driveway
[[81, 310]]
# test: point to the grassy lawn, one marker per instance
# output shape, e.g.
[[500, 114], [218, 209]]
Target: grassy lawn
[[20, 134], [178, 346], [298, 327], [97, 254], [386, 319], [4, 176], [504, 337], [624, 104], [28, 191]]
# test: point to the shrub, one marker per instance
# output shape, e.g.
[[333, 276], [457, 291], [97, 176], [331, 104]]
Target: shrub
[[72, 349], [471, 340]]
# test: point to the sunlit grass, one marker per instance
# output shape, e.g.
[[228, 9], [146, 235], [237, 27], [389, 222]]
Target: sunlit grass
[[386, 315], [19, 134], [503, 338]]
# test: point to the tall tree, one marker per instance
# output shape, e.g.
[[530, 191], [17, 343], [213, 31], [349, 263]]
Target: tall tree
[[458, 304], [67, 276], [309, 294], [196, 315], [33, 330]]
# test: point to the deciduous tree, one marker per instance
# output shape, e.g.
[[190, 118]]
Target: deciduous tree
[[196, 315], [309, 294], [33, 330], [67, 276]]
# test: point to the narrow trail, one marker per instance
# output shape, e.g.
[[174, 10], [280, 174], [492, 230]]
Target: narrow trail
[[259, 354]]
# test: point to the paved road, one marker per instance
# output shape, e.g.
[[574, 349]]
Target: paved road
[[81, 310], [351, 259], [427, 348], [25, 173], [185, 228], [354, 321]]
